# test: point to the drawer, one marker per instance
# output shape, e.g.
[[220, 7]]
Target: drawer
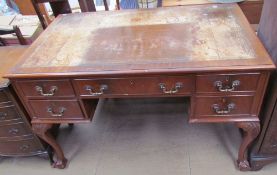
[[22, 147], [223, 106], [14, 130], [227, 82], [46, 88], [8, 112], [56, 109], [3, 96], [171, 85]]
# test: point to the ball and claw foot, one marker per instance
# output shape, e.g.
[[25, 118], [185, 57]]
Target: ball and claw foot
[[243, 165], [60, 164]]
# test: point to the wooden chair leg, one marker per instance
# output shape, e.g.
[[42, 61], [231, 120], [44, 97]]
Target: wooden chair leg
[[87, 5], [117, 5], [2, 42], [39, 13], [19, 35], [106, 5]]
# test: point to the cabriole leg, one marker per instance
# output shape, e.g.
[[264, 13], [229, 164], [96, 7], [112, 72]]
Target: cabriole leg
[[250, 131], [42, 131]]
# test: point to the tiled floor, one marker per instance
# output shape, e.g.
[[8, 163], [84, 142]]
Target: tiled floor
[[142, 137]]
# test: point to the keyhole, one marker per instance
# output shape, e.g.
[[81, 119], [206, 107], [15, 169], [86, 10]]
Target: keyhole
[[132, 82], [227, 80], [224, 101]]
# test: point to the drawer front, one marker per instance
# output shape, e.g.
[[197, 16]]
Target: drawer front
[[13, 130], [135, 86], [223, 106], [56, 109], [22, 147], [227, 83], [49, 88], [3, 96], [8, 112]]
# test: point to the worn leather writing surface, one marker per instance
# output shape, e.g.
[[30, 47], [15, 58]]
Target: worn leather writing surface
[[185, 38]]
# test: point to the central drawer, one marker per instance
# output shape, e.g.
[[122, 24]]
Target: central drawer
[[56, 109], [167, 85]]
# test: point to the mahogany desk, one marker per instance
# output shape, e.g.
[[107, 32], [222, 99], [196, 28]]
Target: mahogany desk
[[208, 53]]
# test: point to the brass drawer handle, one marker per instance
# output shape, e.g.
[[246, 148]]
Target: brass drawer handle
[[220, 87], [24, 147], [3, 115], [101, 90], [59, 114], [217, 109], [173, 90], [13, 131], [52, 91]]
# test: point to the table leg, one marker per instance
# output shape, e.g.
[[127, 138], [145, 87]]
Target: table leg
[[42, 131], [87, 6], [251, 131]]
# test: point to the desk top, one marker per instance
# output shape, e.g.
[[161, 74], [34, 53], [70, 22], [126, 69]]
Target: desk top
[[9, 56], [211, 37]]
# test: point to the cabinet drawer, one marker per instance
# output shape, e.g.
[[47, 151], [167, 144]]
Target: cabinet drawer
[[3, 96], [171, 85], [46, 88], [22, 147], [227, 83], [223, 106], [13, 130], [8, 112], [56, 109]]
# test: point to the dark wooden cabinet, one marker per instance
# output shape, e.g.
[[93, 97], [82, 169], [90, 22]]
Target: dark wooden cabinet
[[16, 135], [264, 150]]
